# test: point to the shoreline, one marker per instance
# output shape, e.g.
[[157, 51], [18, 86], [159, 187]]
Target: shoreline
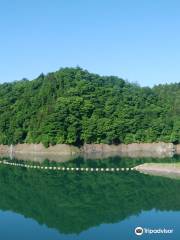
[[159, 149], [171, 170]]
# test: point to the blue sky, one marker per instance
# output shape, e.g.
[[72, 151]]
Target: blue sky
[[138, 40]]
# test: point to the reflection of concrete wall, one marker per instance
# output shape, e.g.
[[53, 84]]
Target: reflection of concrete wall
[[36, 157], [38, 151]]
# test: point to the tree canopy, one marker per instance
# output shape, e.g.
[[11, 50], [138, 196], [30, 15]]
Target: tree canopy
[[75, 107]]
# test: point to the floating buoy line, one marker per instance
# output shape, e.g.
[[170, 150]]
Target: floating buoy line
[[71, 169]]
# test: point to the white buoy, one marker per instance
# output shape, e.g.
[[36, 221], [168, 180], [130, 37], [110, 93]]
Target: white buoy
[[68, 168]]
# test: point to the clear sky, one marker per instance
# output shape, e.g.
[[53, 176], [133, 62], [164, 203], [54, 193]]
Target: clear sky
[[138, 40]]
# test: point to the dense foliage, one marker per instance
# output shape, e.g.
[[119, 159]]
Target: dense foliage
[[74, 106]]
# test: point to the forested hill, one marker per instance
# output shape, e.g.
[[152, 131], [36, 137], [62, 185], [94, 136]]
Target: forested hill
[[74, 106]]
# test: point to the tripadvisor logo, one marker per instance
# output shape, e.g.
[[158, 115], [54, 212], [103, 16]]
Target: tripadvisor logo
[[138, 231]]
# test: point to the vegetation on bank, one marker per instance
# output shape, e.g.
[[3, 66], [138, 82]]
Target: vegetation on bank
[[74, 106]]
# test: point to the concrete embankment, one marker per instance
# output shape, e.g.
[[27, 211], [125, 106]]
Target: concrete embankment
[[177, 149], [160, 149], [171, 170], [37, 152]]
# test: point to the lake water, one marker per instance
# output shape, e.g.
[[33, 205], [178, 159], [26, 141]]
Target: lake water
[[52, 205]]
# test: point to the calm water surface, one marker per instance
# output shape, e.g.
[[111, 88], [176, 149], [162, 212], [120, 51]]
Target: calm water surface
[[38, 204]]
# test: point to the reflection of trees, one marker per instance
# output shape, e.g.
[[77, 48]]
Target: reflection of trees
[[114, 161], [86, 161], [73, 202]]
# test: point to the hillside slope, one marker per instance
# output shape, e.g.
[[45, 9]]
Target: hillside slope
[[74, 106]]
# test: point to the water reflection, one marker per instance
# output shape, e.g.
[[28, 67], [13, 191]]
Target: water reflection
[[74, 202], [87, 161]]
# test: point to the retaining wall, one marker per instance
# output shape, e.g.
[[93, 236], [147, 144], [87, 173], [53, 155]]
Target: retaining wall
[[160, 149]]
